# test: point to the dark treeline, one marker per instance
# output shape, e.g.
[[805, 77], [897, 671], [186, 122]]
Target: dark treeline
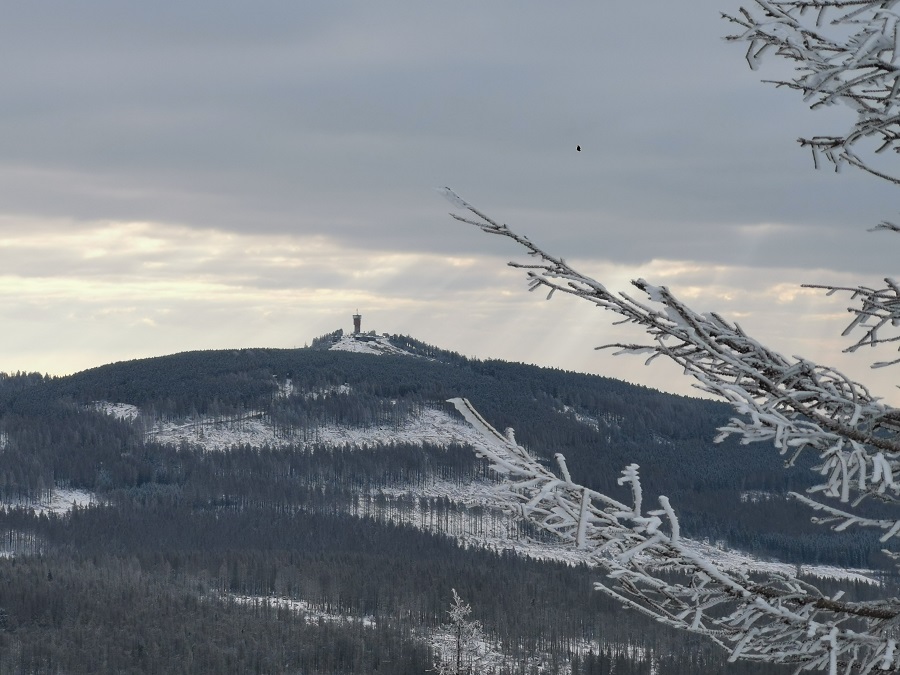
[[151, 579], [122, 590], [108, 614], [52, 437]]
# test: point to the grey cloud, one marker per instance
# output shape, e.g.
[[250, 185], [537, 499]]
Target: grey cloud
[[336, 120], [249, 118]]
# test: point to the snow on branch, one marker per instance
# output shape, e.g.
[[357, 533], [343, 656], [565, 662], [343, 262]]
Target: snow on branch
[[776, 619], [845, 51], [793, 403], [878, 311]]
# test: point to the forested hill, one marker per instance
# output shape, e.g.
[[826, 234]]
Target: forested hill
[[312, 475], [600, 424]]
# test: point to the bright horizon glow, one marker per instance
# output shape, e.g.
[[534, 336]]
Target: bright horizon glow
[[158, 289], [255, 176]]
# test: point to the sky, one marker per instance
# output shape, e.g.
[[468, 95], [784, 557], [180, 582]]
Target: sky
[[194, 175]]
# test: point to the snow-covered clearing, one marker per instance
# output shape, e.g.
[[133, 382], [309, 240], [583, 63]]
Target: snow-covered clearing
[[442, 639], [287, 389], [340, 390], [60, 501], [309, 613], [756, 496], [367, 344], [122, 411], [586, 420], [478, 525], [435, 427]]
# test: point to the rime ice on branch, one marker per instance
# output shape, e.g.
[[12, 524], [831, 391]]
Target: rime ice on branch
[[793, 403], [776, 619], [848, 52], [845, 51]]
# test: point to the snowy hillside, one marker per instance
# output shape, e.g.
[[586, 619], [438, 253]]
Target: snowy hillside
[[60, 500], [433, 427], [270, 482], [367, 344]]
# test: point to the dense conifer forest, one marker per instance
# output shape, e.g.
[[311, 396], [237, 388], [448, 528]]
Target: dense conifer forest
[[186, 558]]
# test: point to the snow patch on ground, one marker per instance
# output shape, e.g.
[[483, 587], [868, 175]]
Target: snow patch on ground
[[756, 496], [4, 440], [368, 344], [442, 638], [285, 389], [309, 613], [251, 429], [498, 532], [435, 427], [340, 390], [121, 411], [586, 420], [61, 501]]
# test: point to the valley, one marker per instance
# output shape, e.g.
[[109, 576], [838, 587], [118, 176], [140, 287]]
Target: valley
[[290, 490]]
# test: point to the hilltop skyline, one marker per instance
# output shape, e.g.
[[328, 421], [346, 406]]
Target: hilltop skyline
[[203, 175]]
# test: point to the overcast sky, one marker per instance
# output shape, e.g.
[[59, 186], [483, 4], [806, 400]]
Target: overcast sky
[[205, 175]]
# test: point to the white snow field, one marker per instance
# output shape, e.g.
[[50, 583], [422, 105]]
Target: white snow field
[[479, 524], [498, 532], [368, 344], [60, 500], [442, 638], [431, 426], [310, 613], [122, 411]]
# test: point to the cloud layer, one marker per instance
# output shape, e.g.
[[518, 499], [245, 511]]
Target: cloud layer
[[200, 175]]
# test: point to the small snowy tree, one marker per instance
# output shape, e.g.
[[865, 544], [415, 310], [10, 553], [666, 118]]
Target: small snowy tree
[[462, 648], [845, 51]]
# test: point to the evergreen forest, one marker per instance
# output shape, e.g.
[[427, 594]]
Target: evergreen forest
[[300, 556]]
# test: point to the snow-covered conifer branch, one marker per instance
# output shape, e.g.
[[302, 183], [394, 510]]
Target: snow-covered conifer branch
[[778, 619], [793, 403], [878, 310], [845, 51]]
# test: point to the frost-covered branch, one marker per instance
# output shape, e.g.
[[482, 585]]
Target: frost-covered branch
[[793, 403], [845, 51], [878, 311], [777, 619]]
